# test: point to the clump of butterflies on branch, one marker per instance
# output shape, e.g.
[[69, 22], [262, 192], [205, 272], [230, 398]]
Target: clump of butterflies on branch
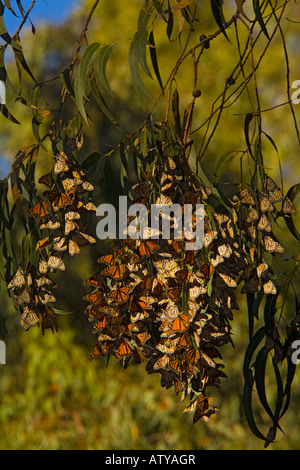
[[153, 301]]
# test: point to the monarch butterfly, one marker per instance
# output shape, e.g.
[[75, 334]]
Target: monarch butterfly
[[109, 334], [217, 260], [208, 360], [55, 262], [272, 245], [70, 226], [18, 280], [184, 341], [99, 325], [93, 312], [138, 316], [205, 192], [72, 215], [87, 186], [166, 268], [46, 180], [171, 312], [100, 349], [264, 224], [251, 230], [167, 346], [107, 259], [177, 245], [82, 238], [221, 218], [115, 271], [78, 173], [288, 207], [51, 225], [108, 310], [119, 295], [174, 294], [96, 280], [94, 297], [124, 350], [43, 281], [23, 297], [252, 215], [183, 275], [162, 200], [266, 204], [42, 243], [69, 183], [141, 338], [228, 280], [191, 356], [246, 197], [251, 285], [225, 251], [140, 304], [59, 245], [45, 297], [180, 324], [89, 206], [176, 364], [209, 236], [273, 188], [59, 199], [143, 189], [261, 268], [73, 248], [29, 319], [204, 409], [39, 211], [146, 248], [162, 362], [269, 288], [178, 385], [207, 270], [43, 266], [195, 291], [61, 163]]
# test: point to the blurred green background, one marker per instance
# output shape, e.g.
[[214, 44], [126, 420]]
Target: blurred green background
[[51, 395]]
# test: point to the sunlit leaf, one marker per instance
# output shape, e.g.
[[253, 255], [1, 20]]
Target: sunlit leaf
[[99, 98], [103, 56], [81, 75]]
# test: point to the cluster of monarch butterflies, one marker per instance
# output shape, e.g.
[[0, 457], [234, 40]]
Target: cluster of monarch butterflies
[[154, 301], [58, 215]]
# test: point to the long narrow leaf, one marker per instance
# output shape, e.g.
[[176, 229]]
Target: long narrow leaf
[[258, 15], [103, 56], [217, 10], [260, 372], [101, 103], [154, 60], [247, 402], [81, 75]]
